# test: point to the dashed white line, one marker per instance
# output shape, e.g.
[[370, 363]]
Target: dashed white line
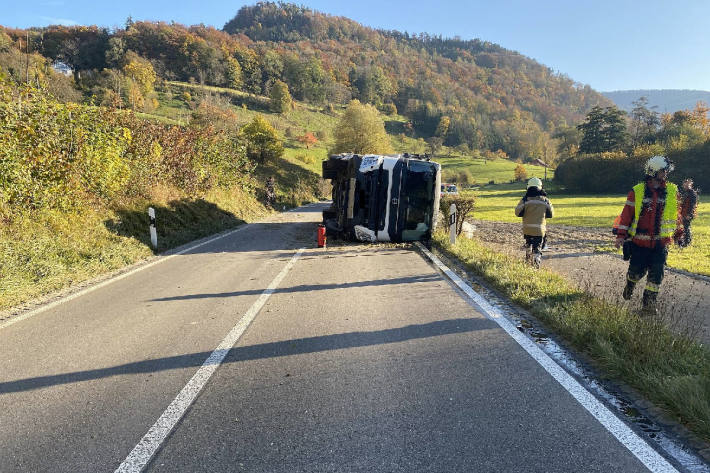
[[635, 444], [156, 435]]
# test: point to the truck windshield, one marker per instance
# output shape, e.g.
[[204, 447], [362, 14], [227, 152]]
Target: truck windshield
[[419, 189]]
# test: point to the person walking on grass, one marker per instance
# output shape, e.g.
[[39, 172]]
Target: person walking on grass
[[688, 210], [651, 219], [534, 208]]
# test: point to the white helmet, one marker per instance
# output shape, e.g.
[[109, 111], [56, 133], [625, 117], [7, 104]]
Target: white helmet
[[535, 182], [656, 164]]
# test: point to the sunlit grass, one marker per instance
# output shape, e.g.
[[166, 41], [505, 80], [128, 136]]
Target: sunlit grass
[[497, 203], [482, 171]]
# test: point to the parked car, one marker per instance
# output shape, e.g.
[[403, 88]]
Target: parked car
[[382, 198], [449, 189]]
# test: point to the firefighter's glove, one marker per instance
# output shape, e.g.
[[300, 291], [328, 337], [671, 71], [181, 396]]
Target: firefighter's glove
[[618, 242]]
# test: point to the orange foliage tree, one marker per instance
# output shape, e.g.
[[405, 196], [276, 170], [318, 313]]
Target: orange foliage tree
[[307, 139]]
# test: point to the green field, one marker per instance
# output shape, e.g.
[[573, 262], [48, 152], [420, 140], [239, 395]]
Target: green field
[[497, 203], [479, 171]]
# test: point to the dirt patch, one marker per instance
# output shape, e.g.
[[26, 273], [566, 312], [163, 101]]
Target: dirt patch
[[684, 300]]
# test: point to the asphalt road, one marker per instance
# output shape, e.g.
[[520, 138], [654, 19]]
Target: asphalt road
[[359, 358]]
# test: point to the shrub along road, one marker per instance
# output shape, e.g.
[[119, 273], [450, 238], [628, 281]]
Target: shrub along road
[[351, 358]]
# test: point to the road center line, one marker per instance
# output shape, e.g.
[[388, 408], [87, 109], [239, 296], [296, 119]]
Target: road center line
[[635, 444], [156, 435]]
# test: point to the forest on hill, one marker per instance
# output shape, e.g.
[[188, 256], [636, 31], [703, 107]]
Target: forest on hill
[[470, 94]]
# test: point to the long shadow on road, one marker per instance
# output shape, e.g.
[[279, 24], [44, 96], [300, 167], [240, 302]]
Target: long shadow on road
[[305, 288], [299, 346]]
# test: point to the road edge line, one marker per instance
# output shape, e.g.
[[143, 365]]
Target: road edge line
[[650, 458], [99, 285]]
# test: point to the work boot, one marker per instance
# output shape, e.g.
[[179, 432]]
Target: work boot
[[628, 290], [648, 306]]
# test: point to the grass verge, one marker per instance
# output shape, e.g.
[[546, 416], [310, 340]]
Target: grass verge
[[46, 251], [670, 371]]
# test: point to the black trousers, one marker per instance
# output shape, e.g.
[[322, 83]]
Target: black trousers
[[687, 233], [647, 260], [535, 241]]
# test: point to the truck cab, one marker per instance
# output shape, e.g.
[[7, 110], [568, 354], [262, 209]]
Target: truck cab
[[382, 198]]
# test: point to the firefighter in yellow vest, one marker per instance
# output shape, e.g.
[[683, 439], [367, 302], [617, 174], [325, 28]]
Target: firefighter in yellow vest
[[651, 220]]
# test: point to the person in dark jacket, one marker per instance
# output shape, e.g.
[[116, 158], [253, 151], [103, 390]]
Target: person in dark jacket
[[535, 208], [688, 210], [651, 220], [270, 191]]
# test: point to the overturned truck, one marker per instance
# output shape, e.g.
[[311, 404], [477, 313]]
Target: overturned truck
[[382, 198]]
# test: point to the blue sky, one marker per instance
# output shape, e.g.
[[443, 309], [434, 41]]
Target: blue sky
[[610, 45]]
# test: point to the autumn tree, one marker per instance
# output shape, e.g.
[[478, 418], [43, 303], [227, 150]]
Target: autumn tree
[[141, 77], [140, 71], [262, 141], [307, 139], [234, 73], [520, 173], [361, 131], [442, 129], [279, 98]]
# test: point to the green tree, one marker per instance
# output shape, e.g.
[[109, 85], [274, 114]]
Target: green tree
[[279, 98], [568, 139], [262, 141], [644, 123], [434, 144], [361, 130], [372, 85], [604, 129]]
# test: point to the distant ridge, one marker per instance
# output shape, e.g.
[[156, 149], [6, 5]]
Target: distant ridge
[[666, 100]]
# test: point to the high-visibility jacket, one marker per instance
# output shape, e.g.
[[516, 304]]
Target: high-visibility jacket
[[651, 216]]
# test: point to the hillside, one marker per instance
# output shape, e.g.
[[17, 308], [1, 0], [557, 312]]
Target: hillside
[[660, 100], [488, 97]]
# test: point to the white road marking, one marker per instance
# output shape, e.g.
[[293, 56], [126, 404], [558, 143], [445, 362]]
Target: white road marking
[[161, 259], [156, 435], [636, 445]]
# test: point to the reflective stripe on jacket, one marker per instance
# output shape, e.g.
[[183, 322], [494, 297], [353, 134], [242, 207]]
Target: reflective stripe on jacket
[[534, 211], [669, 216], [651, 215]]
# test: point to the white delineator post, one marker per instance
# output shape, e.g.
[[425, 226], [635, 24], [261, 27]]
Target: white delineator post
[[153, 233], [452, 224]]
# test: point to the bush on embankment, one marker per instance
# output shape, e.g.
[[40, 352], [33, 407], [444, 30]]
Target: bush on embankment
[[76, 182], [68, 156], [671, 371]]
